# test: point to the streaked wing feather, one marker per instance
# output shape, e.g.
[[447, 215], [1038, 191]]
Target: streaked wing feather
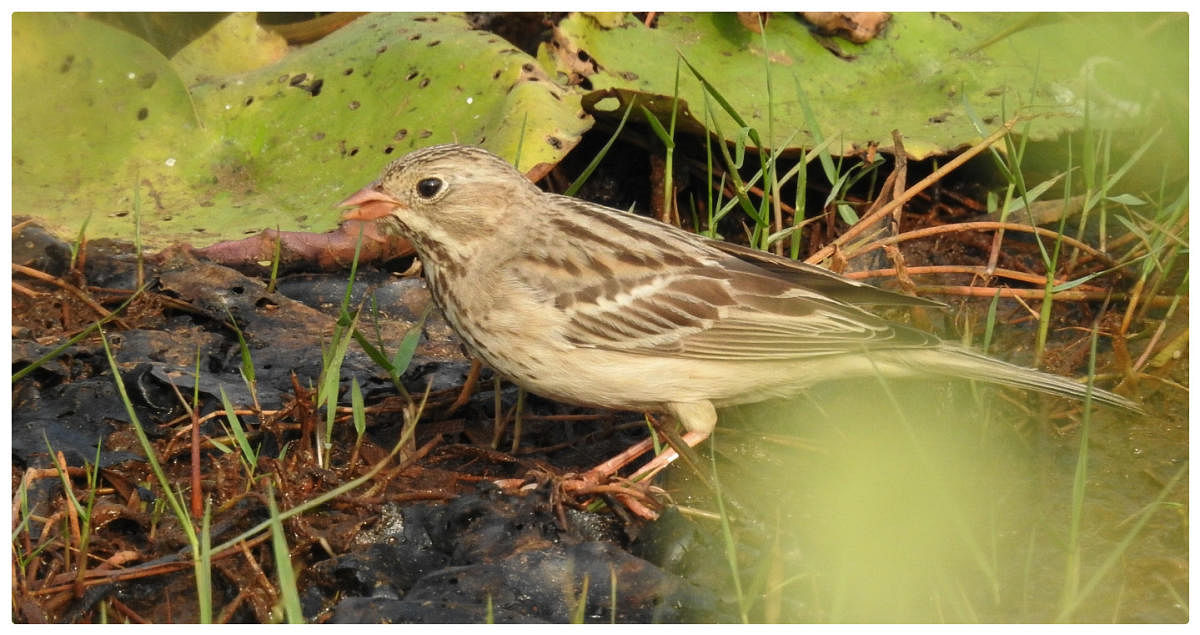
[[691, 297], [820, 280]]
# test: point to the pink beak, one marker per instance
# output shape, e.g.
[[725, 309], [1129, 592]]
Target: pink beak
[[369, 204]]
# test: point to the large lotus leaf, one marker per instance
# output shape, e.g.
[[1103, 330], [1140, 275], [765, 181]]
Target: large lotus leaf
[[96, 111], [377, 88], [273, 147], [235, 45], [919, 76]]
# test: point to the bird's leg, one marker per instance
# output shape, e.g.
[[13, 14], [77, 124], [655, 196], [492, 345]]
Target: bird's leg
[[678, 446]]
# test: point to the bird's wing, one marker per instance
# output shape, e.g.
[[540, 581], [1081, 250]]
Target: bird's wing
[[637, 286], [696, 314], [820, 280]]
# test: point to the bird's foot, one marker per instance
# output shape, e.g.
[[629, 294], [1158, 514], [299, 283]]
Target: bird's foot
[[581, 490]]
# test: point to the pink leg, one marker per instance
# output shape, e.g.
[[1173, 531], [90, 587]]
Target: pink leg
[[612, 466]]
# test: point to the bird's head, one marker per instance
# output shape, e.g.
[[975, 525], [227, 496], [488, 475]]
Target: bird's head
[[445, 195]]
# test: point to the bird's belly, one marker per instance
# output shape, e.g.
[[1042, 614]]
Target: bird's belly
[[620, 380]]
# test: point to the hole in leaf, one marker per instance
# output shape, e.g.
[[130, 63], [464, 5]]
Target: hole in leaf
[[608, 104]]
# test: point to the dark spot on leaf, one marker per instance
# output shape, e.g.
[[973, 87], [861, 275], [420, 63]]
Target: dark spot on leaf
[[583, 56], [420, 18], [146, 80], [626, 75], [315, 87], [68, 61], [496, 75], [353, 151], [411, 75], [532, 79], [989, 120], [424, 83], [414, 37], [143, 112], [317, 136], [527, 67], [400, 134], [554, 142], [556, 97], [585, 83], [121, 214], [298, 79], [354, 104], [425, 134], [434, 43], [481, 140], [994, 92], [222, 86], [282, 79], [249, 100], [389, 150], [381, 50], [939, 118], [348, 71]]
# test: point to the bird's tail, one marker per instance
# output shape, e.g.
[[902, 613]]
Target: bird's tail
[[960, 362]]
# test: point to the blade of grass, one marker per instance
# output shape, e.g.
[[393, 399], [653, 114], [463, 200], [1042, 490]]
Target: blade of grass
[[595, 162], [289, 595]]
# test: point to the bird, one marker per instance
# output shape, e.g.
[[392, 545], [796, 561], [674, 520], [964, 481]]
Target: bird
[[595, 306]]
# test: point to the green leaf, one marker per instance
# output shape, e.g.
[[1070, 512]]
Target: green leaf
[[99, 112], [916, 76]]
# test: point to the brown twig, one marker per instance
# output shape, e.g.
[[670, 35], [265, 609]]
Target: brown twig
[[961, 269], [883, 212], [980, 226], [70, 288]]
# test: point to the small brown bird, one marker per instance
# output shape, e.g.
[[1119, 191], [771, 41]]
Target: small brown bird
[[591, 305]]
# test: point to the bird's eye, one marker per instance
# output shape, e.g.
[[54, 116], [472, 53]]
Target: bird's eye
[[428, 188]]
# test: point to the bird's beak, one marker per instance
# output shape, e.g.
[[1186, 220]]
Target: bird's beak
[[368, 204]]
